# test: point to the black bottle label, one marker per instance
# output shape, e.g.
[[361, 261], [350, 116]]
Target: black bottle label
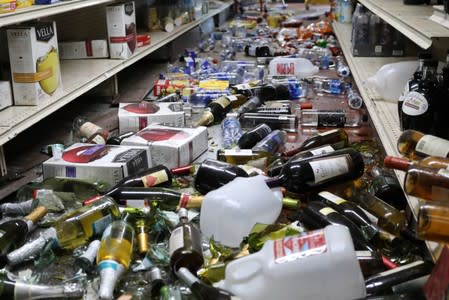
[[335, 119]]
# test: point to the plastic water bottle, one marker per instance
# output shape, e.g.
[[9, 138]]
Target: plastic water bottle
[[231, 130], [317, 265], [228, 215]]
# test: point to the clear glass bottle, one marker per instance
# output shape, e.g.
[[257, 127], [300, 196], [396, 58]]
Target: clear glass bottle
[[185, 245], [231, 130], [332, 118], [354, 99], [283, 122], [71, 230], [272, 142], [114, 255], [93, 133], [416, 145], [427, 183], [433, 221]]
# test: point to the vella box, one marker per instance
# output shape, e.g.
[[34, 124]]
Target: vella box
[[137, 116], [34, 60], [122, 33], [169, 146], [107, 163]]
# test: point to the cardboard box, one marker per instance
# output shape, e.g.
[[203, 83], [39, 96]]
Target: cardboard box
[[137, 116], [122, 34], [84, 49], [5, 94], [34, 59], [172, 147], [95, 162]]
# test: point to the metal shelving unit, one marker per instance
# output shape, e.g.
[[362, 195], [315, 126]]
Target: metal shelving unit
[[79, 76], [383, 113], [411, 20]]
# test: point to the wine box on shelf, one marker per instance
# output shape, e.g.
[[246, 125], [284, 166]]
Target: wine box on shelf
[[122, 33], [137, 116], [34, 60], [5, 94], [92, 161], [84, 49], [171, 146]]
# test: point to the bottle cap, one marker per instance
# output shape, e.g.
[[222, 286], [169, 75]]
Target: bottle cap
[[155, 274], [182, 213], [306, 105], [397, 163], [142, 242]]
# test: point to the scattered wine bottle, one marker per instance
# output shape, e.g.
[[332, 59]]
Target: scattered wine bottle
[[86, 261], [14, 232], [433, 221], [91, 132], [344, 164], [384, 281], [416, 145], [201, 290], [387, 187], [332, 118], [71, 230], [114, 255], [402, 164], [427, 183], [213, 174], [283, 122], [324, 215], [231, 130], [336, 138], [167, 199], [214, 112], [272, 142], [15, 290], [185, 245], [117, 140], [350, 210], [250, 138]]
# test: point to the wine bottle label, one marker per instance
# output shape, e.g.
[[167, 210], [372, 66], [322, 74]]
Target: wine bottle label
[[100, 225], [223, 102], [238, 152], [155, 178], [322, 150], [433, 146], [326, 168], [415, 104], [98, 139], [242, 86], [326, 210], [252, 50], [328, 132], [333, 198], [334, 118], [176, 240], [137, 203], [231, 98], [297, 247]]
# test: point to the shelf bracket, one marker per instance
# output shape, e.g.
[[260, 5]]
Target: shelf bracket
[[3, 169]]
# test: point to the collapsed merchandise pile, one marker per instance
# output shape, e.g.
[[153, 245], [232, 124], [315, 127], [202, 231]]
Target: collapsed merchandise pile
[[251, 171]]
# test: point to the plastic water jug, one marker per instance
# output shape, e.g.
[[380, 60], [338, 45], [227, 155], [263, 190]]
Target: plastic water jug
[[390, 79], [316, 265], [229, 212], [292, 66]]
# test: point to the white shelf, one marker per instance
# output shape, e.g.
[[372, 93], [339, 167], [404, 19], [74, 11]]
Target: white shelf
[[40, 11], [383, 113], [411, 20], [79, 76]]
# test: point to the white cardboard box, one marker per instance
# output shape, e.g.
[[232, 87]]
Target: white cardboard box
[[106, 163], [122, 34], [84, 49], [5, 94], [170, 146], [34, 59], [135, 116]]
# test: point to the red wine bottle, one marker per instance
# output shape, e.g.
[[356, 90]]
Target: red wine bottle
[[303, 176]]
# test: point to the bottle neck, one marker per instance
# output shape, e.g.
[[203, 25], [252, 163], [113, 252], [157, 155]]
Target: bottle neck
[[34, 291], [185, 275]]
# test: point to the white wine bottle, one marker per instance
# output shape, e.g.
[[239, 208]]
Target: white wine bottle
[[114, 255], [71, 230]]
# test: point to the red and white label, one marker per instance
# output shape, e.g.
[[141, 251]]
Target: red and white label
[[301, 246]]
